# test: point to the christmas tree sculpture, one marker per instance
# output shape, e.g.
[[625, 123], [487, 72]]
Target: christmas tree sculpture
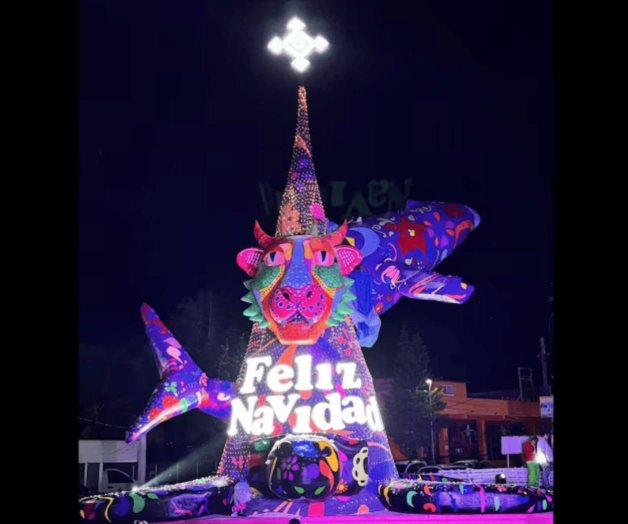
[[304, 384]]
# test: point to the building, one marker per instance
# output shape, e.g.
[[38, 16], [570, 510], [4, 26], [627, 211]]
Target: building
[[474, 425]]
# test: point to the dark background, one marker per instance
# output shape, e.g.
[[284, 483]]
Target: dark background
[[183, 113]]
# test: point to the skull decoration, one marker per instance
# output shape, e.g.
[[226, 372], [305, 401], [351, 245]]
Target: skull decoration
[[360, 467], [299, 285], [305, 466]]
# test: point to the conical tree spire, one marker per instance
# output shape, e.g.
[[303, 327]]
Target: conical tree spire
[[301, 211]]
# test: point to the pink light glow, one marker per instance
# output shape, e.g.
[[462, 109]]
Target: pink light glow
[[386, 516]]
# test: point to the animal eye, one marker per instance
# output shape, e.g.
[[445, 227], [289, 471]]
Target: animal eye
[[274, 258], [324, 258]]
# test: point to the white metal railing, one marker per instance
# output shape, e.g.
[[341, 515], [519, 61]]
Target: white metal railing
[[513, 475]]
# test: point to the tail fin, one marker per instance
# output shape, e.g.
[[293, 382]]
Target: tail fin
[[183, 385]]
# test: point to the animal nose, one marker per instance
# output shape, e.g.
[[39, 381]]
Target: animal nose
[[287, 302], [288, 294], [295, 296]]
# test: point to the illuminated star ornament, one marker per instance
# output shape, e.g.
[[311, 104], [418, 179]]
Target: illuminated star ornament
[[298, 45]]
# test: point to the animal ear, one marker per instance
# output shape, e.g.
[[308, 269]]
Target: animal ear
[[248, 259], [348, 258]]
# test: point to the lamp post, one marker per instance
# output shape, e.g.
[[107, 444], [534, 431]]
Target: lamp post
[[429, 397]]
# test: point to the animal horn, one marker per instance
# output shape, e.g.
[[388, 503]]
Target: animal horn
[[337, 236], [262, 238]]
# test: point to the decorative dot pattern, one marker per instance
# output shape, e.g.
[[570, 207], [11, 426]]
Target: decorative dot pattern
[[301, 211]]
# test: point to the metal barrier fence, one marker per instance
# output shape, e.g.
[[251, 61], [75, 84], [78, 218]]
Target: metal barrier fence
[[513, 475]]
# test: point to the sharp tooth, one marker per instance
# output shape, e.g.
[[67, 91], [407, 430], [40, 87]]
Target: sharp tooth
[[344, 309], [348, 296], [251, 311]]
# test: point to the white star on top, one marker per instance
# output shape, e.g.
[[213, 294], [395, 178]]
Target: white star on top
[[298, 45]]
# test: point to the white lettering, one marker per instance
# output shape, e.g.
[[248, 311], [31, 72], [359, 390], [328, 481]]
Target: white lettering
[[333, 414], [242, 414], [304, 373], [373, 417], [324, 377], [254, 371], [353, 412], [279, 378], [332, 406], [303, 420], [282, 411], [263, 423], [349, 380]]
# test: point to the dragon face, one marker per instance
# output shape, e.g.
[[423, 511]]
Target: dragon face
[[299, 285]]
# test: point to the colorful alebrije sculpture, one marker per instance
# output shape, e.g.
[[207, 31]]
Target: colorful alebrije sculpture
[[305, 434]]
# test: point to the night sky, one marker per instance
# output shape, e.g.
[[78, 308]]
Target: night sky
[[186, 120]]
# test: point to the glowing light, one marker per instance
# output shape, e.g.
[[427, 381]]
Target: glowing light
[[295, 24], [280, 378], [332, 414], [185, 464], [298, 45], [541, 458], [275, 45]]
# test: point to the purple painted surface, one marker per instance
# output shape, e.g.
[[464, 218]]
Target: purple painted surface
[[183, 385], [384, 516], [400, 250]]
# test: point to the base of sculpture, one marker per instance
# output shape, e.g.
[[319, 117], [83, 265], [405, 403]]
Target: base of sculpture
[[406, 500], [419, 496], [384, 516], [380, 517], [204, 496]]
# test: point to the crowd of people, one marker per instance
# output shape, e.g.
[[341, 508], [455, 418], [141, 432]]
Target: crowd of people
[[539, 459]]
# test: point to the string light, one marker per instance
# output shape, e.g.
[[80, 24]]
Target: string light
[[301, 211]]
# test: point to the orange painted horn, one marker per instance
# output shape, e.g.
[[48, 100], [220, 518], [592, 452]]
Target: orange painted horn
[[262, 238], [337, 236]]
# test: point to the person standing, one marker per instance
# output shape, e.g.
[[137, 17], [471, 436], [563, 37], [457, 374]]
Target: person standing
[[529, 456], [545, 458]]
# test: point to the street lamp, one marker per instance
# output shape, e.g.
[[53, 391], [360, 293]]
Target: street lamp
[[429, 397]]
